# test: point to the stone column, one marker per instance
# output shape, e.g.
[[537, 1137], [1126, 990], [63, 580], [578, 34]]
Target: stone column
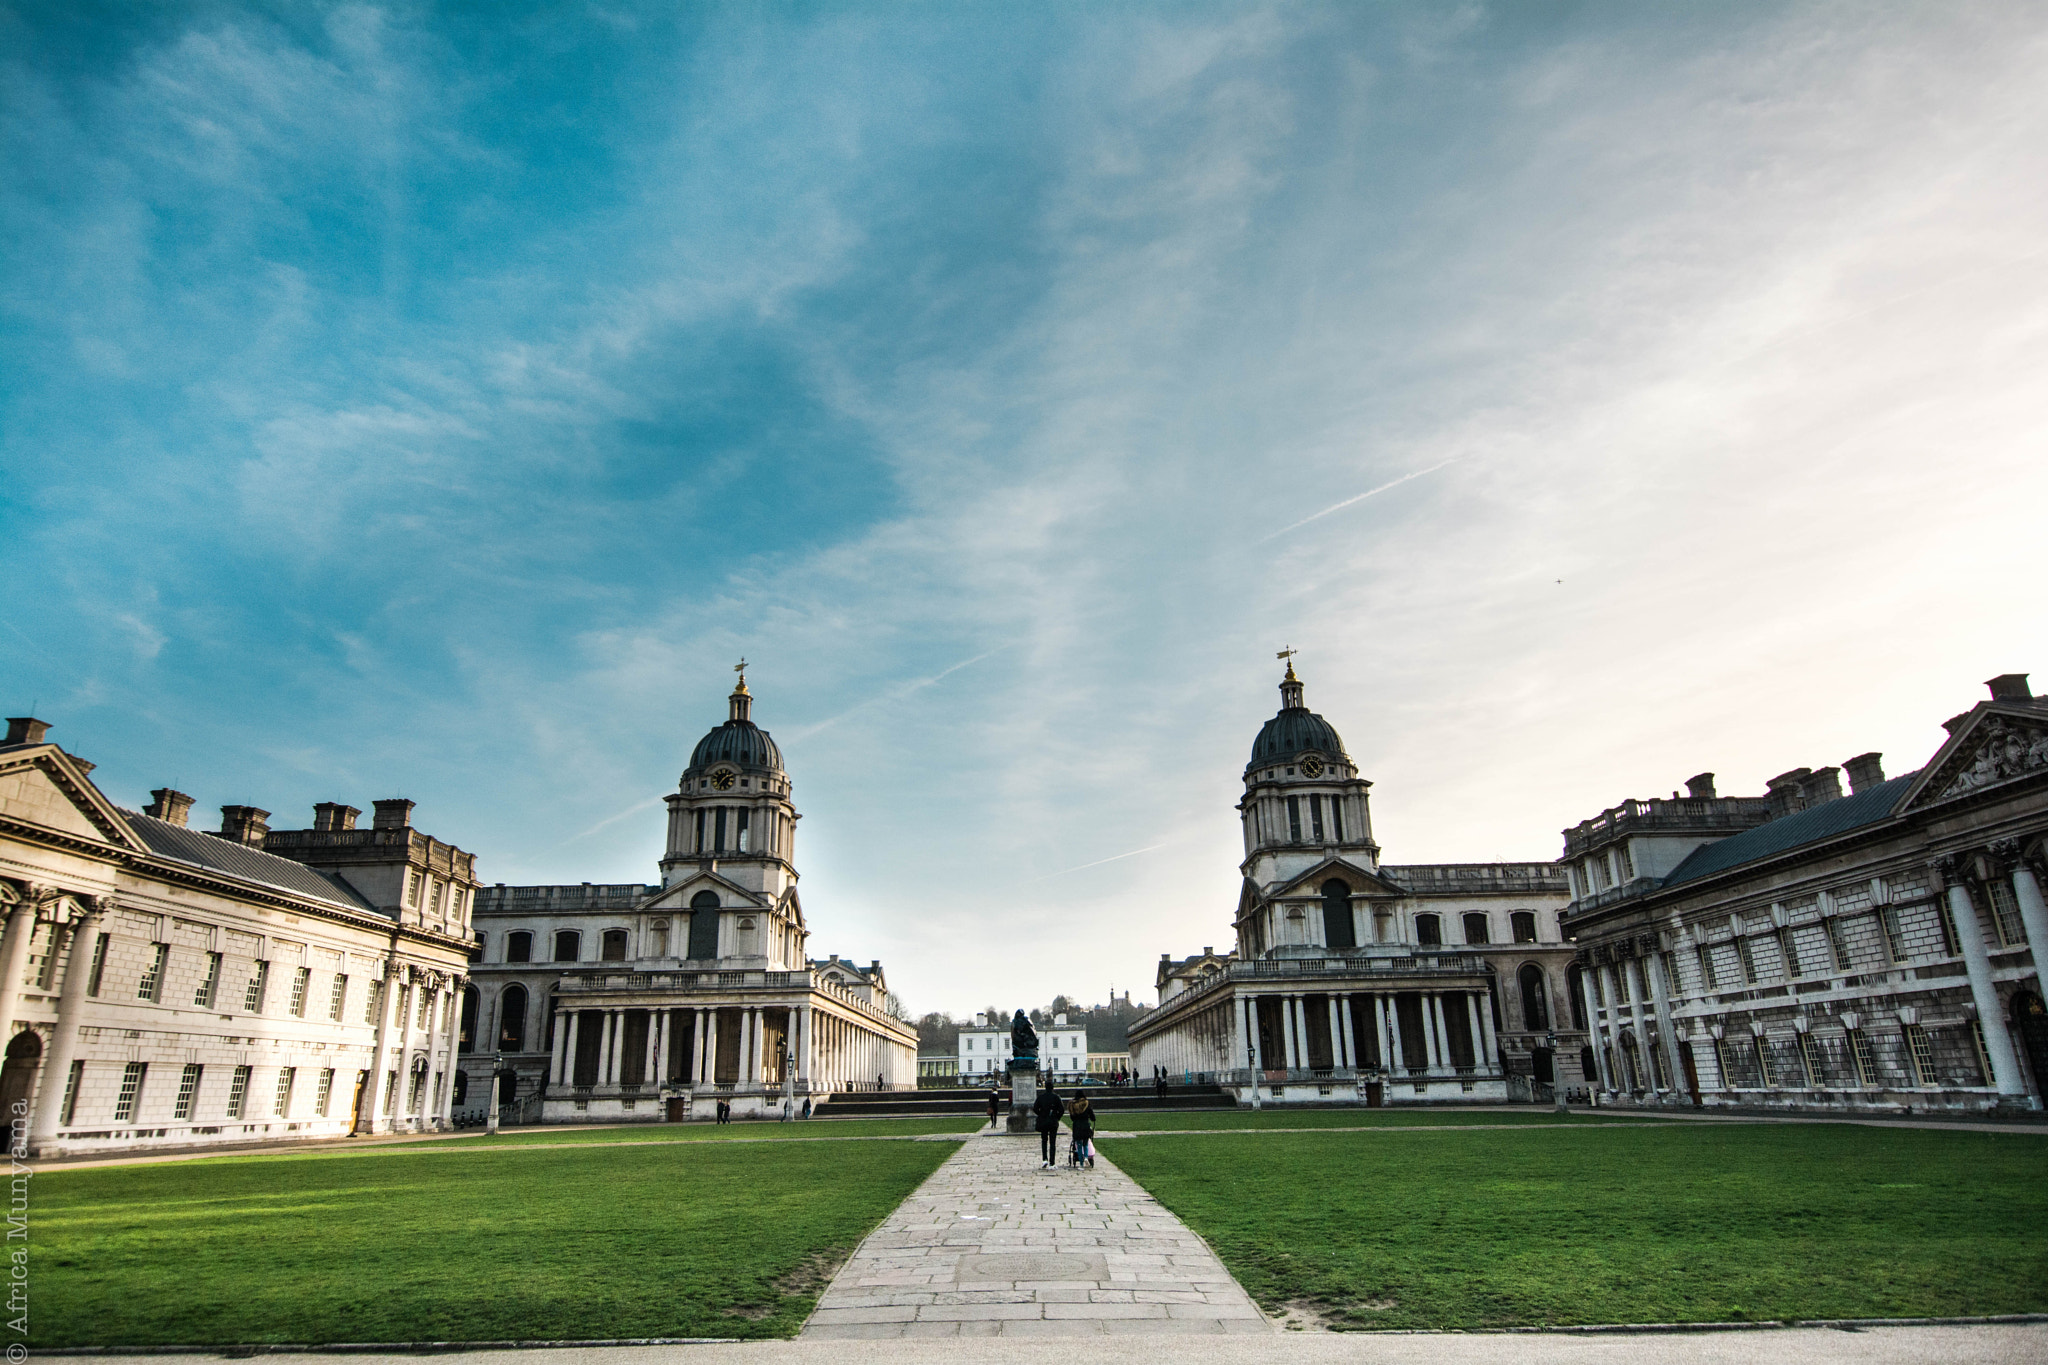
[[1600, 1075], [1636, 992], [1399, 1055], [83, 932], [409, 1010], [604, 1047], [1667, 1035], [801, 1020], [380, 1054], [1287, 1031], [430, 1103], [565, 1044], [1482, 1052], [14, 946], [657, 1055], [1377, 1004], [1977, 961], [2026, 887], [560, 1034], [1343, 1021], [1442, 1030]]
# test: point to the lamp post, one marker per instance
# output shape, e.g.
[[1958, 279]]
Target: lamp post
[[491, 1116], [1556, 1075], [1251, 1052]]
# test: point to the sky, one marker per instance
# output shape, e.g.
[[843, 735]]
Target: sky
[[439, 401]]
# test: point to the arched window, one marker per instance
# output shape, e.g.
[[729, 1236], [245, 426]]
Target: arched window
[[1337, 927], [466, 1039], [704, 926], [1429, 931], [1575, 986], [512, 1020], [568, 944], [1524, 924], [613, 948], [519, 946], [1535, 1011], [1475, 929]]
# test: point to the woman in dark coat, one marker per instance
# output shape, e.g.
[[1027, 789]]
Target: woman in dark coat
[[1047, 1109], [1082, 1115]]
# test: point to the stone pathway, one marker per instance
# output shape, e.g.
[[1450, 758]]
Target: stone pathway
[[992, 1246]]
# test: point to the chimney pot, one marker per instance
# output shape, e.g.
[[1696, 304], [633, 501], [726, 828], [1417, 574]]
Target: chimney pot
[[1700, 788], [26, 730], [1786, 791], [1208, 950], [1865, 771], [2009, 687], [334, 815], [393, 814], [1822, 786], [171, 807], [244, 824]]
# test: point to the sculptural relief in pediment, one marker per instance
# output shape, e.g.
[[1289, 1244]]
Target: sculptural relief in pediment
[[2002, 749]]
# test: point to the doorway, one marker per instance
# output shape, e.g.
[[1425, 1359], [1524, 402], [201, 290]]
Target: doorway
[[18, 1083], [2029, 1020]]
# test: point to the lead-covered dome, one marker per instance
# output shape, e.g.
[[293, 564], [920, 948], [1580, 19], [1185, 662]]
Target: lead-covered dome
[[1295, 730], [739, 741]]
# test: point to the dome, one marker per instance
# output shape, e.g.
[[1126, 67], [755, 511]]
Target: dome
[[740, 743], [1293, 731]]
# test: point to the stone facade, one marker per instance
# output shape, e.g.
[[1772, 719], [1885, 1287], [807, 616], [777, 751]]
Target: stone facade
[[161, 986], [647, 1002], [1820, 951], [1357, 981]]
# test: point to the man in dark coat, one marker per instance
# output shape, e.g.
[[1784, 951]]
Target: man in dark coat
[[1046, 1109], [995, 1105]]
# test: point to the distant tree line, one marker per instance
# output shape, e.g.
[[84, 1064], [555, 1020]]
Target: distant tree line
[[1108, 1025]]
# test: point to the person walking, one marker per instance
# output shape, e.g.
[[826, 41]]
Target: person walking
[[1081, 1114], [1047, 1109], [995, 1105]]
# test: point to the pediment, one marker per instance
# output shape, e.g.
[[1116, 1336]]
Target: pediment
[[1999, 744], [42, 787], [731, 895], [1364, 881]]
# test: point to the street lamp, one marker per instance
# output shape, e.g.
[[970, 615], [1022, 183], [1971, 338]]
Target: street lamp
[[1556, 1075], [497, 1067]]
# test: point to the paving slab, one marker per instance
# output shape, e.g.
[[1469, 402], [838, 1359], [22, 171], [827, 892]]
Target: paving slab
[[994, 1244]]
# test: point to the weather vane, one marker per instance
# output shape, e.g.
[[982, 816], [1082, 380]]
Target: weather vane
[[741, 669], [1287, 653]]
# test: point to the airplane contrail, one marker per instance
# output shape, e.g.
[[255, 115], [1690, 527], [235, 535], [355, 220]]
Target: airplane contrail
[[1361, 497]]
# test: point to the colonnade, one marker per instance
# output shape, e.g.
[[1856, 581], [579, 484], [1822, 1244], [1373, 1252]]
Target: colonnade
[[826, 1051], [1348, 1015]]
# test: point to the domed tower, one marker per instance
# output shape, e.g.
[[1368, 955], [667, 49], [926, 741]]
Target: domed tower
[[1304, 802], [731, 812]]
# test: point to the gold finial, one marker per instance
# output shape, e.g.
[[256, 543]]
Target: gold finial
[[1288, 654], [741, 669]]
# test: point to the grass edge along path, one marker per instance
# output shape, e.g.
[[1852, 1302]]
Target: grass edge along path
[[642, 1240], [1668, 1223]]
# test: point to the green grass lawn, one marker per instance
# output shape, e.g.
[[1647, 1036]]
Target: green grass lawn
[[661, 1239], [723, 1132], [1146, 1121], [1675, 1222]]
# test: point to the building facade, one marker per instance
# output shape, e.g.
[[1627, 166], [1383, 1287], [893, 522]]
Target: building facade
[[1812, 949], [649, 1002], [162, 986], [1354, 980], [985, 1051]]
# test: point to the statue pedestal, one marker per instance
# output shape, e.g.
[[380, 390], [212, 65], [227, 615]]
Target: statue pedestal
[[1023, 1094]]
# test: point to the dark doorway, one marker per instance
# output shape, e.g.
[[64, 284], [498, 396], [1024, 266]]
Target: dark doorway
[[1321, 1053], [1692, 1072], [1272, 1041], [704, 926], [1414, 1045], [1458, 1032], [1365, 1037], [1375, 1094], [512, 1020], [1544, 1063], [589, 1046], [1338, 931], [18, 1082], [682, 1046], [728, 1047], [633, 1040], [678, 1109]]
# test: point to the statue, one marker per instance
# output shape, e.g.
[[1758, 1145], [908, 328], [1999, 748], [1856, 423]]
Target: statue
[[1023, 1039]]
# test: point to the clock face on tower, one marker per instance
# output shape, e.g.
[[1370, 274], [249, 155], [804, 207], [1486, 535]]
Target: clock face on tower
[[722, 779], [1312, 766]]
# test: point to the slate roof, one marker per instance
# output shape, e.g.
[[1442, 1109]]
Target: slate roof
[[196, 848], [1788, 832]]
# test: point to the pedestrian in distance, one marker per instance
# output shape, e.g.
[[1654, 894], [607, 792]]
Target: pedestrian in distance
[[995, 1105], [807, 1106], [1046, 1109], [1081, 1115]]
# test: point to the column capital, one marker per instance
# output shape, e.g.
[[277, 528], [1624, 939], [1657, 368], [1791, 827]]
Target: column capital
[[1947, 869]]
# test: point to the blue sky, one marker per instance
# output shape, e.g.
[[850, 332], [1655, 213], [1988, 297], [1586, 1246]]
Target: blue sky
[[406, 401]]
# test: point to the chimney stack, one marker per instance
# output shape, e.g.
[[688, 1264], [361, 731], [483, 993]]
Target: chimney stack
[[171, 807], [26, 730], [1700, 788], [1208, 950], [1822, 787], [334, 815], [244, 825], [1787, 792], [393, 814], [1865, 771], [2010, 687]]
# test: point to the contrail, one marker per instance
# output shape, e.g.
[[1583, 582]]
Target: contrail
[[633, 809], [896, 694], [1100, 861], [1361, 497]]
